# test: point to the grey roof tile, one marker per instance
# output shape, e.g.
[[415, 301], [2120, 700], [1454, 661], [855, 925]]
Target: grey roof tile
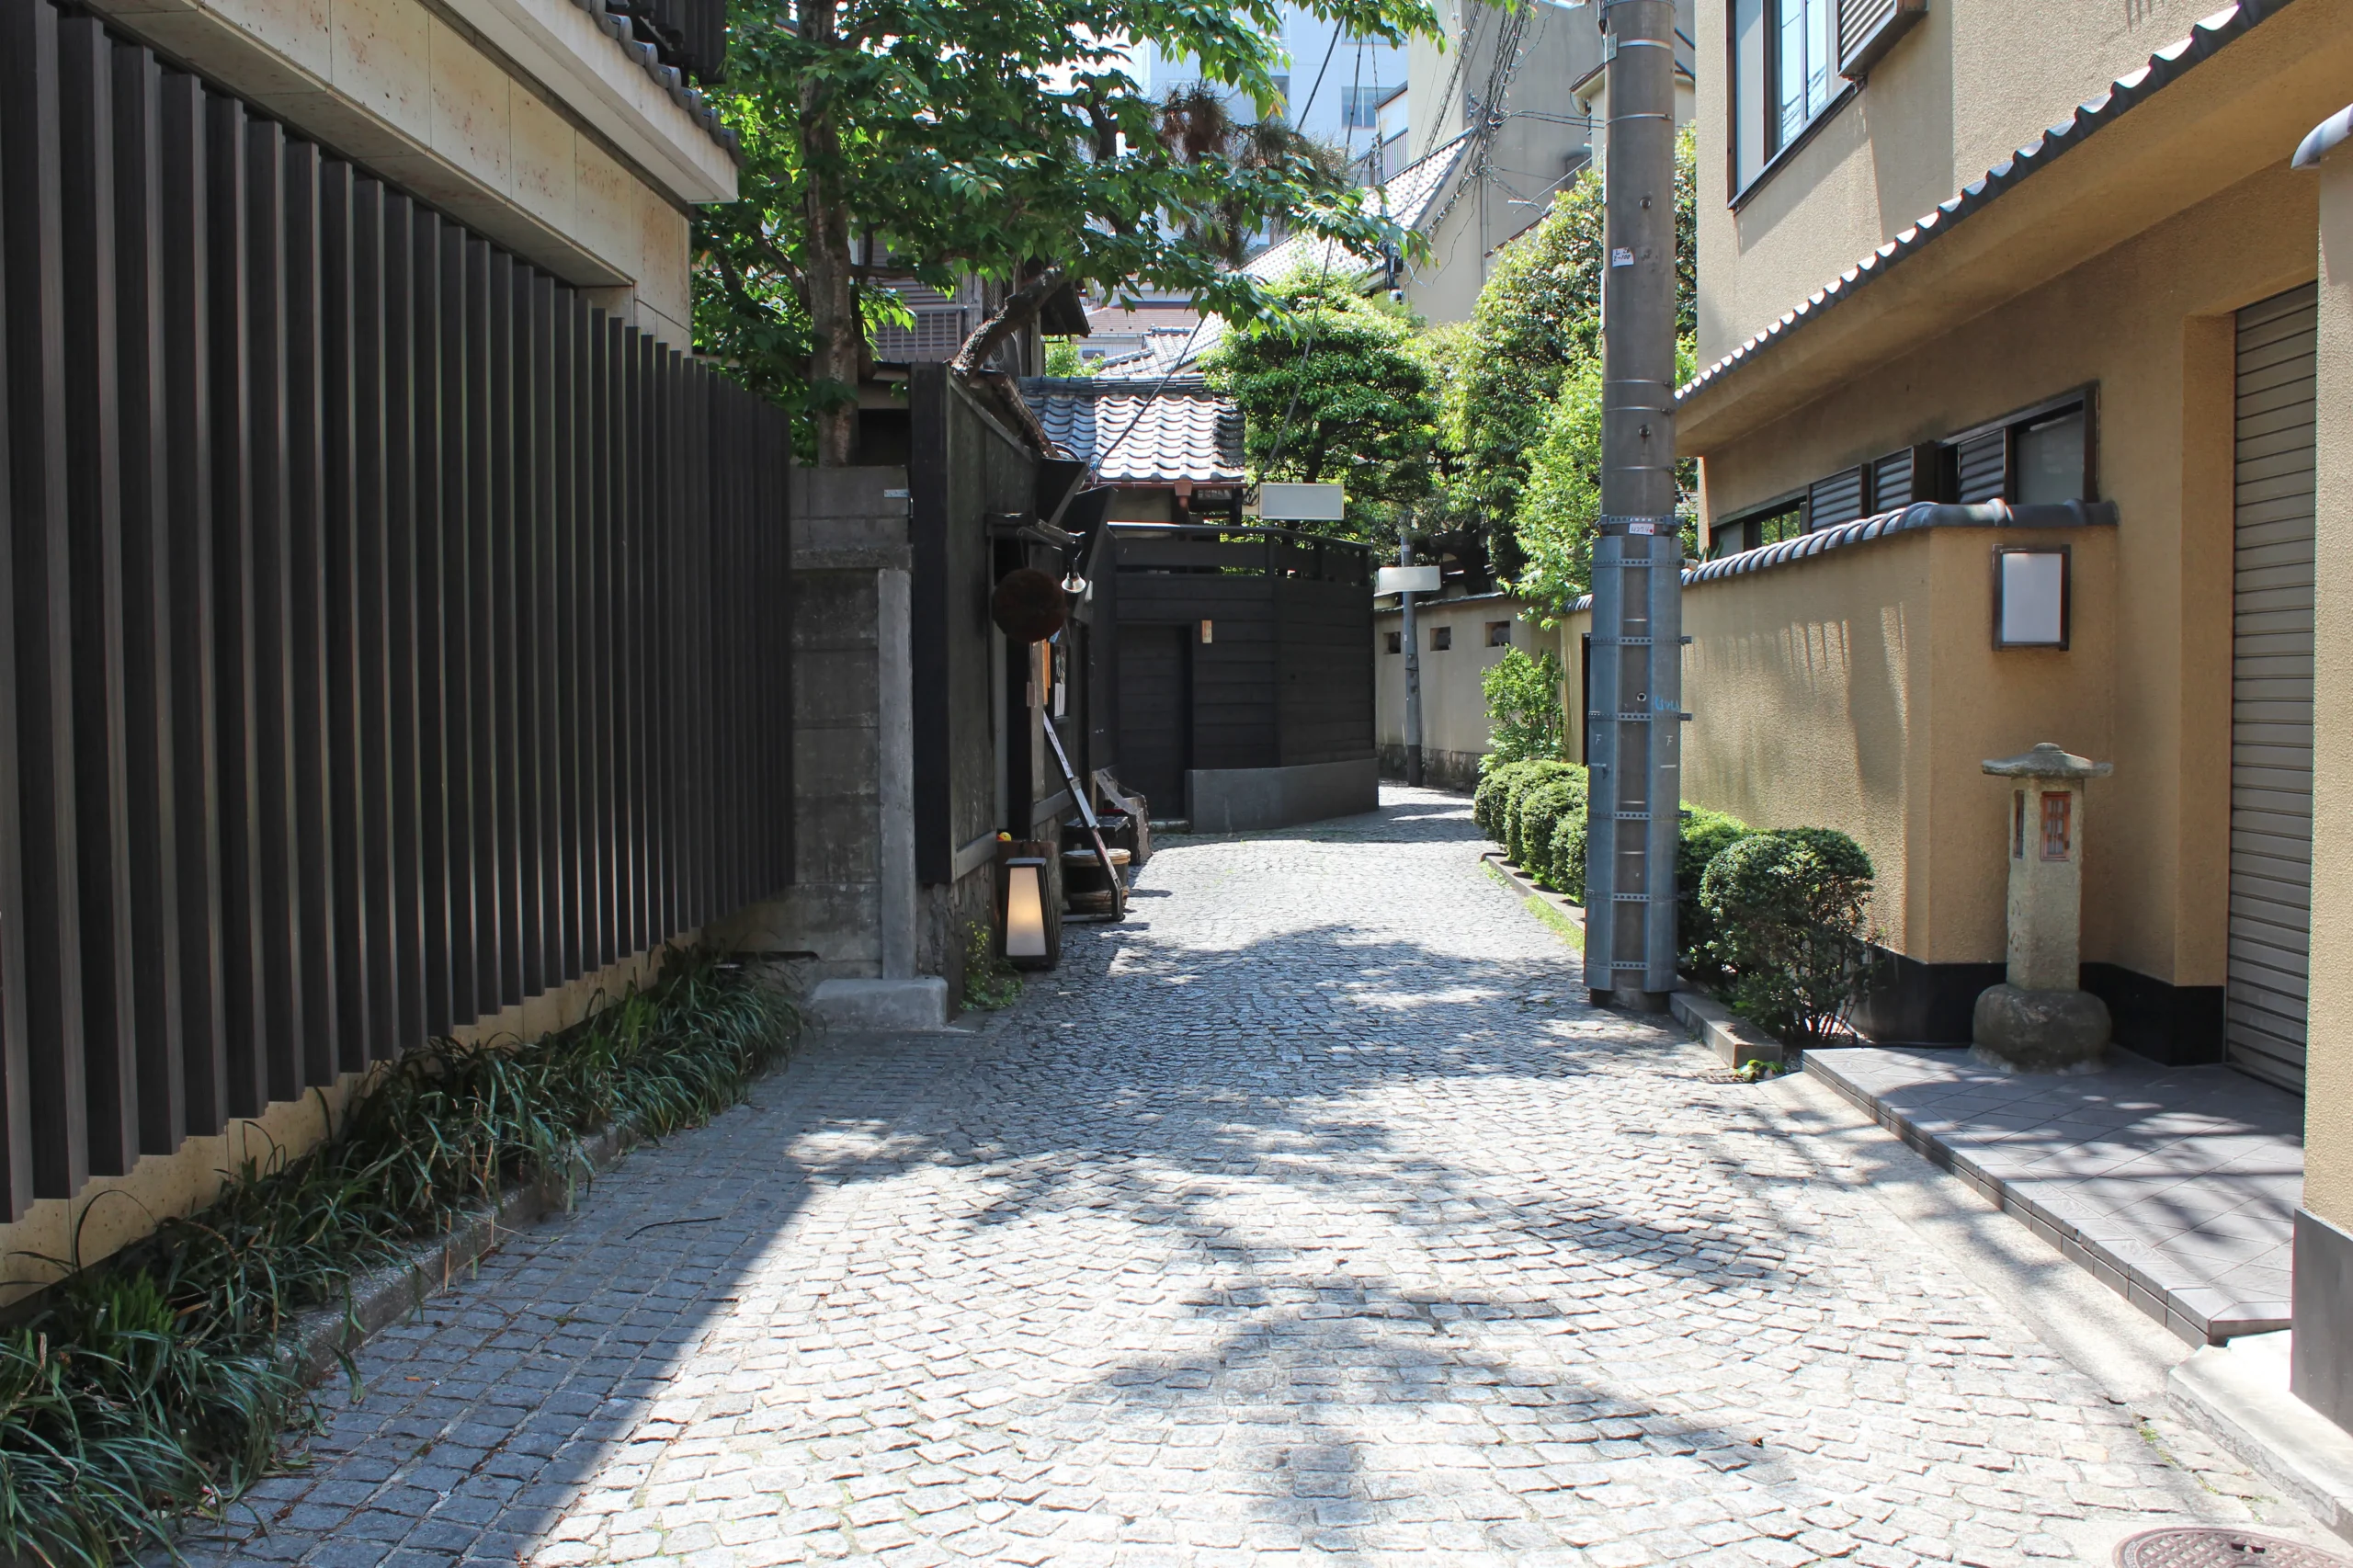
[[1129, 435]]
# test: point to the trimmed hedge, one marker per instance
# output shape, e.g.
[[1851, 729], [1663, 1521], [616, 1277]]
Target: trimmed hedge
[[1541, 811]]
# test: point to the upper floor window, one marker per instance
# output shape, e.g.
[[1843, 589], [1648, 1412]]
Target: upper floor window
[[1784, 77], [1360, 106]]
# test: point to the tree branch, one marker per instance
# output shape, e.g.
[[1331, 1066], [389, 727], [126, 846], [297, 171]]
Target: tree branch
[[1019, 309]]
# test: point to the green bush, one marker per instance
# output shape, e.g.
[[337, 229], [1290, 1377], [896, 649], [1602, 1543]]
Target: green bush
[[1541, 811], [1565, 854], [1488, 800], [1532, 777], [1790, 908], [1524, 718], [152, 1382], [1705, 835]]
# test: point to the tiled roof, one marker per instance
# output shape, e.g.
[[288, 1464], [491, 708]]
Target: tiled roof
[[1127, 436], [2206, 39], [1408, 195], [669, 78], [1908, 519]]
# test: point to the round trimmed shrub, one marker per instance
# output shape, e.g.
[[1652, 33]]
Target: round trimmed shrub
[[1566, 853], [1541, 811], [1537, 775], [1492, 794], [1705, 835], [1790, 908]]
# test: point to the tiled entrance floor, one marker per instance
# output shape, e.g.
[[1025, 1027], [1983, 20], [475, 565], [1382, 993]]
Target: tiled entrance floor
[[2176, 1185]]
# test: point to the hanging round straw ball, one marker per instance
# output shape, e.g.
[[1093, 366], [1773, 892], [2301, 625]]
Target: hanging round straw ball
[[1029, 606]]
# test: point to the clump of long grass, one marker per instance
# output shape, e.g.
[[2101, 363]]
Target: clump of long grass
[[153, 1383]]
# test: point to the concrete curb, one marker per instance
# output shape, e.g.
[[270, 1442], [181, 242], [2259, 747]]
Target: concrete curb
[[1733, 1039], [2194, 1313], [2240, 1396], [322, 1337]]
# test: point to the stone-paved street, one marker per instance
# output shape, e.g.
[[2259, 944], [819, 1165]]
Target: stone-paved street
[[1308, 1217]]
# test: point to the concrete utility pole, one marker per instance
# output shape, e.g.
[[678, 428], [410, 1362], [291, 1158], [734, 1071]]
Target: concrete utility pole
[[1411, 638], [1636, 745]]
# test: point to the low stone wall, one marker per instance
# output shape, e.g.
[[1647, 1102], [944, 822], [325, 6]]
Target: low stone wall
[[1440, 769], [1246, 799]]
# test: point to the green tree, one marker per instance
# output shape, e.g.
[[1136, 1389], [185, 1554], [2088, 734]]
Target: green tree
[[1333, 387], [1063, 358], [936, 140], [1537, 320], [1525, 722], [1561, 497]]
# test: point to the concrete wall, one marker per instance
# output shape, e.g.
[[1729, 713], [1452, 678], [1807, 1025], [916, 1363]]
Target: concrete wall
[[1454, 708], [520, 118], [851, 912], [1861, 690], [1969, 85], [2328, 1171]]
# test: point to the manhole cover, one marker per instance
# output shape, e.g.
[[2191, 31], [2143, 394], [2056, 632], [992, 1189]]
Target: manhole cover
[[2212, 1548]]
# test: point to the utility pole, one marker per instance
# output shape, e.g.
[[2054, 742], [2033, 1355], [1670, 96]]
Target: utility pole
[[1636, 793], [1411, 639]]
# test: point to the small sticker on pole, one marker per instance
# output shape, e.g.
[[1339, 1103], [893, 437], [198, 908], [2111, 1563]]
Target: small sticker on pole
[[1620, 257]]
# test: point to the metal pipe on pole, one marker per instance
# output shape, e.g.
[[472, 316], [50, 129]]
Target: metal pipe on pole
[[1635, 729], [1411, 638]]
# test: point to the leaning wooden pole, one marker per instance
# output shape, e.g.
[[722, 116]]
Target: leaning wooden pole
[[1636, 751]]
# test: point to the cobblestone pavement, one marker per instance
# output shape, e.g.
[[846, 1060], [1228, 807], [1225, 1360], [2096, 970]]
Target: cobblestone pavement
[[1309, 1216]]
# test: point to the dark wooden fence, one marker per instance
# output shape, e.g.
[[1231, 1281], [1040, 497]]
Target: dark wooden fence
[[1285, 677], [389, 635]]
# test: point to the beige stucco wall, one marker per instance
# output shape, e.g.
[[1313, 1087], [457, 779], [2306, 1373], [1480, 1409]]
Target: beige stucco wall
[[1860, 689], [1960, 92], [111, 1212], [2328, 1103], [583, 165], [1454, 708], [2150, 322]]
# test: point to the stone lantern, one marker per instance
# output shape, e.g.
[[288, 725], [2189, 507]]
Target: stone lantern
[[2039, 1021]]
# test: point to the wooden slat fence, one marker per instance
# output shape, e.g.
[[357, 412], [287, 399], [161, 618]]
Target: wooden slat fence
[[387, 635]]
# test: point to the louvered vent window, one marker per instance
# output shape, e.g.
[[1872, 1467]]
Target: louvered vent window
[[1834, 500], [2039, 454], [1868, 29], [1903, 477], [1978, 465]]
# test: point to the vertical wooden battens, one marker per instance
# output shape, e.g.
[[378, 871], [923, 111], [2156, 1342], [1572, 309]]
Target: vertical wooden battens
[[386, 634]]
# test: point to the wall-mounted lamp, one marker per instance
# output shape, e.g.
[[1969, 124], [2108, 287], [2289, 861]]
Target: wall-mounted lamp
[[1025, 908], [2031, 591]]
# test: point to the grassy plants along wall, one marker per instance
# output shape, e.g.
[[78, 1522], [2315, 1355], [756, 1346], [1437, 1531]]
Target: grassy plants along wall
[[153, 1383]]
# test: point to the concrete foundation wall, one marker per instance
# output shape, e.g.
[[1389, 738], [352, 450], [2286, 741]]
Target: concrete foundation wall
[[1440, 769], [851, 911], [1248, 799]]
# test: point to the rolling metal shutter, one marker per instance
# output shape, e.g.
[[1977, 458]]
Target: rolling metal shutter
[[2271, 690]]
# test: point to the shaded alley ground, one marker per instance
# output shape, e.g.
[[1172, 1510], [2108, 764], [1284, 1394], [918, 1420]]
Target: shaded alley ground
[[1308, 1217]]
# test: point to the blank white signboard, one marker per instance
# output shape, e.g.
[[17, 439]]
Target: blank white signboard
[[2034, 599]]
